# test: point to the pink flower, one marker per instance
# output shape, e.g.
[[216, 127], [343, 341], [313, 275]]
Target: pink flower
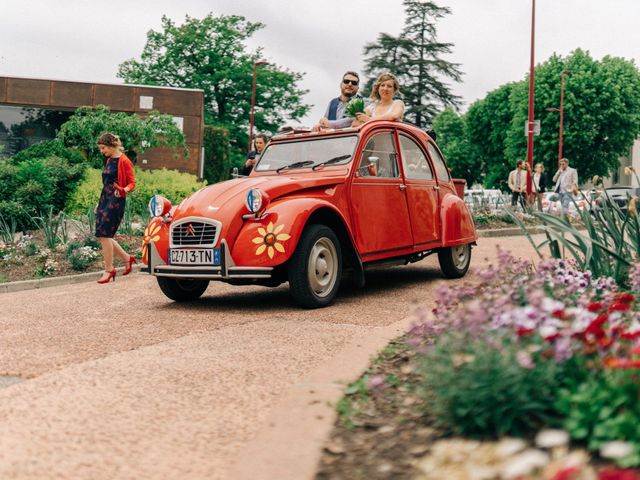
[[524, 359]]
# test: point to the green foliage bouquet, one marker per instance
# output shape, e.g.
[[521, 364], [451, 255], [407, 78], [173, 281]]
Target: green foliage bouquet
[[355, 105]]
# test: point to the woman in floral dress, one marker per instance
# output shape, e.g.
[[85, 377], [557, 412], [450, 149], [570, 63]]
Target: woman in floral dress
[[118, 180]]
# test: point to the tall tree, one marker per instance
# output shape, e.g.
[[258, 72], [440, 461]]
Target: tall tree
[[210, 54], [601, 113], [453, 141], [416, 58]]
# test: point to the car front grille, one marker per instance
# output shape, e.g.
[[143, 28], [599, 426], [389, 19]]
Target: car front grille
[[194, 234]]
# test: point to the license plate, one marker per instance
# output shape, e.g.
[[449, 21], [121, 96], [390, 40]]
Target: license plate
[[195, 256]]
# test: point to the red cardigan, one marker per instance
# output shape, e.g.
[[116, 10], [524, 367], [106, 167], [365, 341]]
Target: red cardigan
[[126, 177]]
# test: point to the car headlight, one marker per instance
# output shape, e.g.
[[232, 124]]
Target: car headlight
[[256, 201], [159, 206]]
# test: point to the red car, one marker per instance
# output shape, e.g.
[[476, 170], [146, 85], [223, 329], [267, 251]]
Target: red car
[[317, 208]]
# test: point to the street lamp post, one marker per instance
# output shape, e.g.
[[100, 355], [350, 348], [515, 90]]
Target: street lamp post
[[253, 98], [531, 99], [561, 110]]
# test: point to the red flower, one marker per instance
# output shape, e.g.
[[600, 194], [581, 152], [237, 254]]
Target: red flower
[[560, 314], [618, 474], [619, 307], [632, 336], [595, 306], [567, 473], [625, 298], [521, 331], [595, 327], [623, 363], [635, 350]]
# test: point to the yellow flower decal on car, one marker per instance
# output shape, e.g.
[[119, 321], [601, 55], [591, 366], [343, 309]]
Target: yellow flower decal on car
[[150, 235], [269, 240]]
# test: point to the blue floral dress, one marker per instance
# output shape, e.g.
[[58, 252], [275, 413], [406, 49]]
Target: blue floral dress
[[110, 208]]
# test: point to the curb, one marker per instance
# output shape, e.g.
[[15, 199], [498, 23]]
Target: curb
[[92, 276], [508, 232], [55, 281], [294, 434]]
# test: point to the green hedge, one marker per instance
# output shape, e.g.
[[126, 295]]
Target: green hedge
[[171, 184], [217, 164], [35, 186]]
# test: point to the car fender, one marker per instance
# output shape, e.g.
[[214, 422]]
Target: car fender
[[457, 223], [157, 235], [271, 239]]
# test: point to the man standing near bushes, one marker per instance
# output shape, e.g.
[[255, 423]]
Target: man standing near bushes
[[566, 179], [518, 184]]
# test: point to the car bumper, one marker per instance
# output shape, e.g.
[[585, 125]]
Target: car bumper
[[227, 270]]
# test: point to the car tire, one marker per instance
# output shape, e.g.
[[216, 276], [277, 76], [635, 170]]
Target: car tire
[[455, 261], [182, 289], [315, 268]]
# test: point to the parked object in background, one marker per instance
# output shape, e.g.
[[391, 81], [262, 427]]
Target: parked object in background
[[316, 206], [620, 195]]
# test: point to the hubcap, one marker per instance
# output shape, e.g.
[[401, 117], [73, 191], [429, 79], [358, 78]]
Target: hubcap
[[460, 254], [322, 268]]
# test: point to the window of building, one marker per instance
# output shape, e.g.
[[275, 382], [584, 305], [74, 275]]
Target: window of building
[[22, 127]]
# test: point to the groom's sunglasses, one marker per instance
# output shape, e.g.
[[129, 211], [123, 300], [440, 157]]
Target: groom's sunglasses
[[352, 82]]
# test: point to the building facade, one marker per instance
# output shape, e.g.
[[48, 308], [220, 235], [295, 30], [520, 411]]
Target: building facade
[[32, 110]]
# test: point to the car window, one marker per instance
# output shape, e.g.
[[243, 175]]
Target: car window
[[414, 161], [379, 157], [438, 163], [316, 150]]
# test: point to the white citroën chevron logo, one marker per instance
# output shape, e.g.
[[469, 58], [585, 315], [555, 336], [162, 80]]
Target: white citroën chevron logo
[[190, 231]]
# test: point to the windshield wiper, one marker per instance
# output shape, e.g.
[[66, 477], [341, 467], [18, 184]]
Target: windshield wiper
[[304, 163], [332, 160]]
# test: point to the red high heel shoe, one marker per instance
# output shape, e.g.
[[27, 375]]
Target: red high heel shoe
[[132, 260], [110, 275]]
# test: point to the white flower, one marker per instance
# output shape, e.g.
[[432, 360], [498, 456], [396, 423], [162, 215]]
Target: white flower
[[616, 449], [551, 438]]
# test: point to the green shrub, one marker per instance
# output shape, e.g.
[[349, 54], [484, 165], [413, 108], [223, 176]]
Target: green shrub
[[48, 149], [31, 249], [217, 163], [82, 257], [8, 179], [14, 213], [604, 408], [170, 183], [475, 389]]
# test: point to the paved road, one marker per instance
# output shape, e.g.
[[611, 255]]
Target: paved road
[[122, 383]]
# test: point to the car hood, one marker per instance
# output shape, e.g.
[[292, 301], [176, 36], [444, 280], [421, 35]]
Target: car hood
[[229, 197]]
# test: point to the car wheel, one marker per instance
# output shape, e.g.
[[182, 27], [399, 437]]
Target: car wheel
[[183, 289], [315, 268], [455, 261]]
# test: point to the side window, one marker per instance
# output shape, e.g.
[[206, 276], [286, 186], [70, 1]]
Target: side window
[[414, 161], [438, 163], [379, 157]]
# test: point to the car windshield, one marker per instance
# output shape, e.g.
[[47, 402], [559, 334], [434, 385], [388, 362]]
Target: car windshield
[[307, 153]]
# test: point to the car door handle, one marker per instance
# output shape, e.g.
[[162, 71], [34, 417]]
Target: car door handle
[[402, 186], [436, 187]]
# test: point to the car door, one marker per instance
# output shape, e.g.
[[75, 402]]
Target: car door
[[378, 198], [422, 192]]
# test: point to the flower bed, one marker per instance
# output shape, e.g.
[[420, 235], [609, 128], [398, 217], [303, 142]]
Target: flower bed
[[524, 350]]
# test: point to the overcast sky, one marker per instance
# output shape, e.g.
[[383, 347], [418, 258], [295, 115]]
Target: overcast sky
[[86, 40]]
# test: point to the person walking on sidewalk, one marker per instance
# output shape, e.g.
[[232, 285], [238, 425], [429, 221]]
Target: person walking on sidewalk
[[118, 180], [518, 184], [566, 179]]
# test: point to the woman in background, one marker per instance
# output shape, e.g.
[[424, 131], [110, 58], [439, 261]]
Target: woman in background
[[118, 180]]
